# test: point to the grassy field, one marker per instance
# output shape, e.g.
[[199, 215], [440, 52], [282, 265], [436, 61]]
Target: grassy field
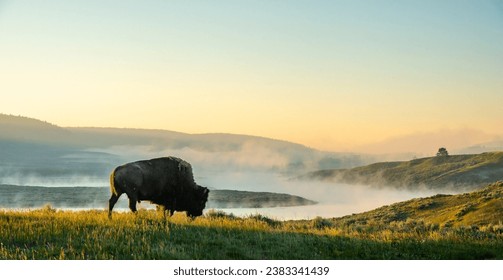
[[51, 234], [465, 226]]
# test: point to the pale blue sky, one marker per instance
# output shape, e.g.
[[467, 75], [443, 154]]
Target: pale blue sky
[[328, 74]]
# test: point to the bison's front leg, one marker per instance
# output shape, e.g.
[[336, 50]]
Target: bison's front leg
[[132, 204]]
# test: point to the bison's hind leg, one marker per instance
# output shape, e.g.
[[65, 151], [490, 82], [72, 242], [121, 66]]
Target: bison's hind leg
[[111, 202]]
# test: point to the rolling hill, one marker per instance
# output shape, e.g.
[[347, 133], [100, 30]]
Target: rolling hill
[[454, 171], [25, 142], [479, 208]]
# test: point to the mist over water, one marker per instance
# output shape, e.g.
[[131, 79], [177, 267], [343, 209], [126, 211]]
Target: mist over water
[[334, 200], [252, 167], [54, 181]]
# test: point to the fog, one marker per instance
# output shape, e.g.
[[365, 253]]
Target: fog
[[34, 153], [257, 168], [249, 156], [334, 200], [252, 167], [73, 180]]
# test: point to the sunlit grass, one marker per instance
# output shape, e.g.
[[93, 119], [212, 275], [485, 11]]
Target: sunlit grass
[[54, 234]]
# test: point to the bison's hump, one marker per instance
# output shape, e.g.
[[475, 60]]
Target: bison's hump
[[176, 165], [182, 164]]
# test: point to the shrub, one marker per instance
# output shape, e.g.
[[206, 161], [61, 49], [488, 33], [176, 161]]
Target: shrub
[[465, 209], [48, 208], [214, 214], [321, 223], [267, 220]]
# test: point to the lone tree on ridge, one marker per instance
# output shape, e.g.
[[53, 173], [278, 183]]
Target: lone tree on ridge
[[442, 152]]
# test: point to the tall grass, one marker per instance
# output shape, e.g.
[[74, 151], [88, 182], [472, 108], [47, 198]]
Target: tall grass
[[51, 234]]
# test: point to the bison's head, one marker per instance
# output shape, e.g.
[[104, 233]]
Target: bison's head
[[199, 199]]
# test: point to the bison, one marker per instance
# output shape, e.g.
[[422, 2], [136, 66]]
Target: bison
[[167, 182]]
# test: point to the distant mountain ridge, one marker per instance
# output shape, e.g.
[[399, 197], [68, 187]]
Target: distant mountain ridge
[[32, 150], [458, 171], [18, 128], [491, 146], [37, 131], [421, 144]]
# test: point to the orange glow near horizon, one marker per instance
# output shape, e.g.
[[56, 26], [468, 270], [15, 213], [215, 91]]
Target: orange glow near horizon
[[311, 75]]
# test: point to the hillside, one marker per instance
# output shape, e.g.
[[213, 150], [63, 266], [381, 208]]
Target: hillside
[[30, 130], [23, 129], [459, 171], [478, 208], [93, 152]]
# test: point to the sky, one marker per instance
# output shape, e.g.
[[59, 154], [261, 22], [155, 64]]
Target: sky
[[333, 75]]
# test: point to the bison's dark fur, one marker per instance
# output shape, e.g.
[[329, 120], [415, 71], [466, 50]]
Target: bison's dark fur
[[167, 182]]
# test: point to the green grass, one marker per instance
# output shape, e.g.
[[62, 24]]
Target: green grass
[[465, 226], [482, 208], [51, 234], [436, 172]]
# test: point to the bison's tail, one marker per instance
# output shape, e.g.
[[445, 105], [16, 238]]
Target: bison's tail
[[112, 184]]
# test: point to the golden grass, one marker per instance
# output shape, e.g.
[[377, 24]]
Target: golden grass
[[54, 234]]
